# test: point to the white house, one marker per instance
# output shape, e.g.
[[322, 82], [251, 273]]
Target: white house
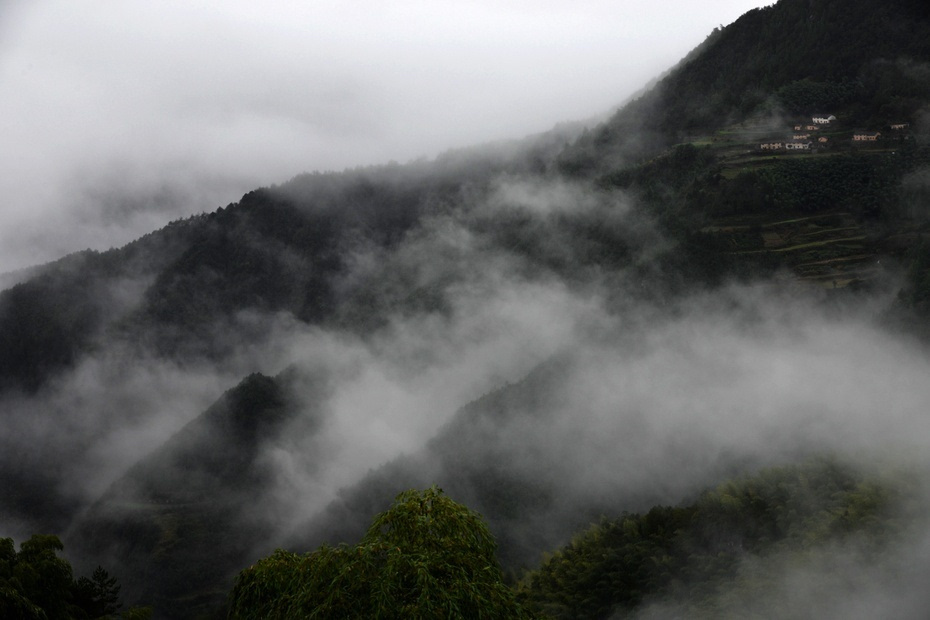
[[797, 146], [823, 119], [866, 136]]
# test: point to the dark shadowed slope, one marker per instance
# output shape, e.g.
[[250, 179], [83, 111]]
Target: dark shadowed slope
[[185, 517], [796, 56], [808, 540], [620, 248]]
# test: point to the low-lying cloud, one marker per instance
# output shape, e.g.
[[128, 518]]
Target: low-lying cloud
[[648, 402], [136, 103]]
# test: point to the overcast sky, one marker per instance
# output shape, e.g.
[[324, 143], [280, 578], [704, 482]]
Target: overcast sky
[[118, 116]]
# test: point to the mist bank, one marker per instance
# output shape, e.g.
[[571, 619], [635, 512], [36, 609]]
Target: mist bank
[[122, 120], [541, 405], [649, 405], [442, 283], [543, 348], [552, 330], [823, 533]]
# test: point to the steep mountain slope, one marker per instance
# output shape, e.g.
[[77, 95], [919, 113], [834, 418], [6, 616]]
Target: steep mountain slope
[[276, 249], [867, 57], [197, 293], [185, 518], [613, 257], [505, 455], [182, 520], [51, 319]]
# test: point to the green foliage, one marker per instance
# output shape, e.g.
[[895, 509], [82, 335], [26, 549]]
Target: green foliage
[[686, 553], [38, 584], [99, 595], [675, 169], [288, 249], [802, 52], [425, 557], [45, 323], [807, 96], [42, 577], [749, 192], [863, 183]]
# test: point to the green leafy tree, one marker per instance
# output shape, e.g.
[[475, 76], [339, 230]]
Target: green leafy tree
[[14, 603], [425, 557], [99, 595], [42, 577], [37, 584]]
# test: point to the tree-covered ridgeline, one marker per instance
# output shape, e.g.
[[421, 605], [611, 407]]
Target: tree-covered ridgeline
[[283, 249], [704, 212], [180, 523], [774, 60], [690, 556], [426, 557]]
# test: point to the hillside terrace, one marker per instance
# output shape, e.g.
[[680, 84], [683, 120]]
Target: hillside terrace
[[832, 248], [808, 137]]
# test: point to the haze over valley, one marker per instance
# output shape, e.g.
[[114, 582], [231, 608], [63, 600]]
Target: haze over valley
[[679, 371]]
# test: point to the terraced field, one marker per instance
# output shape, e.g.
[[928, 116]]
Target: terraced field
[[832, 247]]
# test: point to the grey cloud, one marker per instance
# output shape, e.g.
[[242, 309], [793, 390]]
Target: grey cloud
[[190, 95]]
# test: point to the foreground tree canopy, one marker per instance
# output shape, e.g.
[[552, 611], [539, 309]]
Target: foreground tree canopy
[[425, 557], [36, 583]]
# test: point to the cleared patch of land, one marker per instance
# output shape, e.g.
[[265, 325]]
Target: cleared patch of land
[[831, 247]]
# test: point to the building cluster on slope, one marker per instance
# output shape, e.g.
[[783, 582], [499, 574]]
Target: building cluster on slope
[[805, 136]]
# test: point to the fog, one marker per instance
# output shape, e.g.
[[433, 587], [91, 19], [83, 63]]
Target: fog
[[840, 581], [647, 400], [117, 118], [861, 575], [615, 397]]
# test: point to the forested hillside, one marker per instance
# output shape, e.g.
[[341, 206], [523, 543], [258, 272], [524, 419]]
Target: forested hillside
[[591, 325], [728, 553], [793, 57]]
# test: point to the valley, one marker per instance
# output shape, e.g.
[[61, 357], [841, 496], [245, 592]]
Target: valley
[[674, 366]]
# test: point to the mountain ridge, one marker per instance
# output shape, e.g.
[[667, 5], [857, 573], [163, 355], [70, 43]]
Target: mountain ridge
[[631, 222]]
